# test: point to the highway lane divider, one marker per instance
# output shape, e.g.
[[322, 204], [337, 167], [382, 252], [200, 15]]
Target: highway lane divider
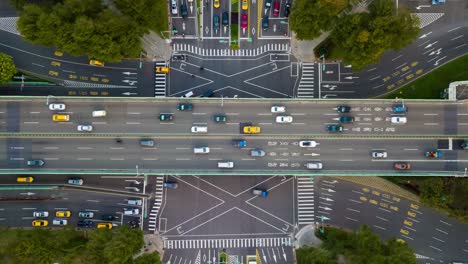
[[225, 136]]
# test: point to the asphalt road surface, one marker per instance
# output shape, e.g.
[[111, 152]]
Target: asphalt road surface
[[30, 133]]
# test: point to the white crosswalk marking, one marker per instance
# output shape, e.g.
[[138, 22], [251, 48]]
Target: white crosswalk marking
[[153, 214], [9, 24], [178, 47], [306, 84], [305, 200], [426, 19], [228, 243], [159, 81]]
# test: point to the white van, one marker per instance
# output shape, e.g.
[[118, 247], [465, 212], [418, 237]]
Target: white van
[[225, 164], [201, 150], [314, 165], [99, 113], [199, 129], [189, 94]]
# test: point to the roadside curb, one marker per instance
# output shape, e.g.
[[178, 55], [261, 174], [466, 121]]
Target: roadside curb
[[382, 185]]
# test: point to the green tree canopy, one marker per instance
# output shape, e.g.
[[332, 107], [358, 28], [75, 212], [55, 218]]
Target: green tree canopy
[[83, 27], [364, 37], [7, 68]]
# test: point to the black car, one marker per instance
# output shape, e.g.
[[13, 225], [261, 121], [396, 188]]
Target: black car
[[165, 117], [225, 20], [346, 119], [183, 10], [220, 118], [134, 224], [178, 57], [108, 217], [208, 93], [287, 6], [265, 22], [343, 109], [85, 223]]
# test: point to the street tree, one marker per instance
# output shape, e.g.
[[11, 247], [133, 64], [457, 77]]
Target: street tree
[[152, 258], [309, 19], [7, 68], [149, 14]]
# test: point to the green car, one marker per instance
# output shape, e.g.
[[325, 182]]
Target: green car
[[335, 128], [220, 119], [185, 107], [165, 117]]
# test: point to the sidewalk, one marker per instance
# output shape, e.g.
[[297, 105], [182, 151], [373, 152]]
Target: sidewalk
[[383, 185], [153, 242], [304, 50]]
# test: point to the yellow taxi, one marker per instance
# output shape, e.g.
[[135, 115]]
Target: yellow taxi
[[245, 5], [216, 3], [404, 231], [251, 130], [399, 240], [96, 63], [60, 118], [104, 225], [40, 223], [25, 179], [58, 53], [62, 213], [408, 223], [162, 69]]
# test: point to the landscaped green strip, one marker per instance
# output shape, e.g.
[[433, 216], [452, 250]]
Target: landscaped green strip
[[433, 83]]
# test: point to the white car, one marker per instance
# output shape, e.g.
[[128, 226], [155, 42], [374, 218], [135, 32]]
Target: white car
[[379, 154], [399, 120], [307, 144], [131, 211], [314, 165], [284, 119], [57, 107], [85, 128], [135, 201], [41, 214], [174, 7], [278, 109], [60, 222], [199, 129]]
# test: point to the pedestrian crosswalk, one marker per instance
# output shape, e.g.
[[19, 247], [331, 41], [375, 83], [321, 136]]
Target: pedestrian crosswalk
[[426, 19], [306, 84], [273, 47], [305, 200], [153, 214], [159, 81], [228, 243], [9, 24]]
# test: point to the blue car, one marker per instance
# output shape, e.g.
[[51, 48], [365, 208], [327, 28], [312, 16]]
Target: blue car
[[343, 109], [240, 143], [438, 2], [216, 23], [335, 128], [399, 109], [172, 185]]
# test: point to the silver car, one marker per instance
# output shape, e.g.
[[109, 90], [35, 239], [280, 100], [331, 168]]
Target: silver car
[[85, 128], [41, 214], [379, 154], [257, 153], [86, 214], [57, 107]]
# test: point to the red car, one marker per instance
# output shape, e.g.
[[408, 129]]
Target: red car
[[244, 21], [401, 166], [276, 8]]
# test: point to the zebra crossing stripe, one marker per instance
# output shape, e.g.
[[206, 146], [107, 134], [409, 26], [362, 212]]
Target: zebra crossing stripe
[[228, 243]]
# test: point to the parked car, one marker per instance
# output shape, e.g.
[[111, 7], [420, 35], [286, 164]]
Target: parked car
[[334, 128], [343, 109], [399, 120], [134, 224], [215, 23], [257, 153], [108, 217], [185, 107], [267, 3], [220, 118], [400, 109], [57, 107], [171, 185], [278, 109], [314, 165], [260, 192], [216, 4], [59, 222], [284, 119], [287, 8], [75, 181], [85, 223], [245, 4], [346, 119], [174, 10], [84, 128], [276, 8], [401, 166], [464, 144], [265, 22], [433, 154], [378, 154], [240, 143], [86, 214], [165, 117], [307, 144], [104, 225], [35, 163], [62, 213], [244, 21], [225, 20], [41, 214]]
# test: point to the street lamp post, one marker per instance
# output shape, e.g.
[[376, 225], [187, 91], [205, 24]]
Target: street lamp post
[[47, 99], [137, 173]]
